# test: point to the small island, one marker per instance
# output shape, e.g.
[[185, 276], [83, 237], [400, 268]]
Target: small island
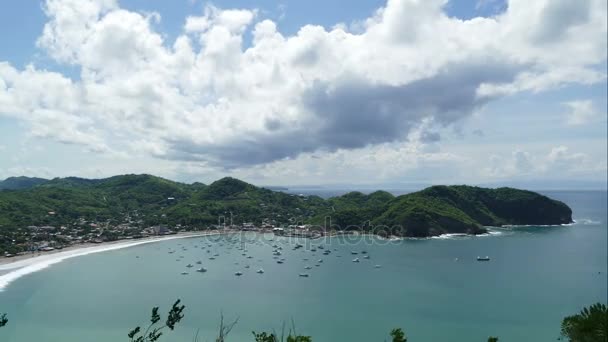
[[38, 213]]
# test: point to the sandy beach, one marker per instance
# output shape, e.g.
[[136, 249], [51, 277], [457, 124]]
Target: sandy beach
[[18, 266]]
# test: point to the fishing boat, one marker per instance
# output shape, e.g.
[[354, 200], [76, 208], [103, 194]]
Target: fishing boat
[[260, 271], [486, 258], [356, 260], [202, 270]]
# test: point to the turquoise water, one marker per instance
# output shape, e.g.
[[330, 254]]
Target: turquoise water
[[537, 275]]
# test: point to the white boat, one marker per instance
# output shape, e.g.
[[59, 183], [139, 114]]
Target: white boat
[[320, 260], [202, 270], [356, 260], [366, 257], [307, 267], [260, 271]]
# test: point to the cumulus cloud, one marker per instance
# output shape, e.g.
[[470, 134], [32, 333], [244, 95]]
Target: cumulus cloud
[[559, 160], [581, 112], [207, 98]]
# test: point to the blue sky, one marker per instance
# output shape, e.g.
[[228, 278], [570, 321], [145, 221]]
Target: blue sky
[[305, 92]]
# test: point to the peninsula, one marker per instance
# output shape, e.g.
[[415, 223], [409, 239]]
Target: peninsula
[[39, 213]]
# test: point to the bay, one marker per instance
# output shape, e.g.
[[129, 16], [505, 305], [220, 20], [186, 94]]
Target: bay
[[434, 289]]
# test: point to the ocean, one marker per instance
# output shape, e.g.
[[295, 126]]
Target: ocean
[[434, 288]]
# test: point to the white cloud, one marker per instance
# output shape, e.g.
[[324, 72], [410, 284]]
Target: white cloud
[[581, 112], [558, 162], [206, 99]]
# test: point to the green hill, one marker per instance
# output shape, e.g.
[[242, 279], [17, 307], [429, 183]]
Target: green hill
[[20, 183], [144, 200]]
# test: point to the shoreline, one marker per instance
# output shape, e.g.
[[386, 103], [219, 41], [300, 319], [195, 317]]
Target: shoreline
[[8, 263], [26, 264]]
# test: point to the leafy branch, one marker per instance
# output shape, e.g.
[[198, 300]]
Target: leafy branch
[[154, 332]]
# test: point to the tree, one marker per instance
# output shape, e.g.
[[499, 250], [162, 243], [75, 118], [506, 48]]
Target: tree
[[589, 325], [154, 332], [398, 335]]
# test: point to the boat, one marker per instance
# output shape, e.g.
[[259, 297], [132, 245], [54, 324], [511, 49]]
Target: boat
[[238, 274], [184, 273], [354, 253], [363, 252], [199, 262], [202, 270], [320, 260], [279, 261], [304, 275], [307, 267], [377, 266], [356, 260], [486, 258], [366, 257], [260, 271], [211, 258], [189, 265], [246, 266]]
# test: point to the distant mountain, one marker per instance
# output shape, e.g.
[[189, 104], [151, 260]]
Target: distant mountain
[[153, 200], [19, 183]]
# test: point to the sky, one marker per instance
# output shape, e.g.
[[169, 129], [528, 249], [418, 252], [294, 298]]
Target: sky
[[306, 92]]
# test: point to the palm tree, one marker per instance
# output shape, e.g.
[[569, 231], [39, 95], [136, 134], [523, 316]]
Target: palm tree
[[589, 325]]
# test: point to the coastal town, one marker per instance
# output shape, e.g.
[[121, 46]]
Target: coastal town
[[46, 238]]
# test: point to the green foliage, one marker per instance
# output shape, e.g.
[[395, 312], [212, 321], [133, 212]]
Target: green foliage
[[18, 183], [148, 200], [589, 325], [398, 335], [154, 331]]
